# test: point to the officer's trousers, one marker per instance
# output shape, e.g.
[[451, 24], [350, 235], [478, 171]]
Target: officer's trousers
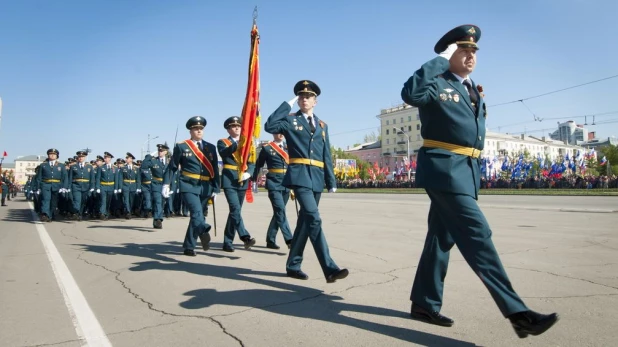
[[197, 224], [128, 198], [106, 201], [79, 199], [157, 201], [278, 200], [458, 220], [309, 226], [49, 200], [146, 198], [235, 198]]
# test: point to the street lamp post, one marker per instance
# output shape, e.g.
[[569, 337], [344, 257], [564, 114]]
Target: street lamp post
[[399, 132], [147, 143]]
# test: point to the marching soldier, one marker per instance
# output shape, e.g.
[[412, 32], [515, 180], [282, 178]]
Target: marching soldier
[[4, 188], [130, 180], [233, 190], [157, 168], [146, 196], [311, 168], [452, 113], [49, 183], [81, 176], [106, 184], [199, 181], [275, 155]]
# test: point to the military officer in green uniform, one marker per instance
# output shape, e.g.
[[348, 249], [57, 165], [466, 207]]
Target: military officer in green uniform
[[196, 160], [233, 189], [310, 170], [81, 176], [275, 155], [130, 182], [106, 183], [157, 168], [452, 114], [5, 183], [50, 179]]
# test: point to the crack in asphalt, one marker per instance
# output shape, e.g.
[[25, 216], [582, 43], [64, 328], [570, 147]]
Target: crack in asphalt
[[369, 255], [151, 305], [52, 344], [563, 276]]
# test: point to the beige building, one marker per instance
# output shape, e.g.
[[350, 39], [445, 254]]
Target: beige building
[[24, 167], [497, 144], [400, 133]]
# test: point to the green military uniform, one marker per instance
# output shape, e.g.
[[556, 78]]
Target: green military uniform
[[310, 170], [106, 183], [157, 168], [452, 114], [81, 176], [5, 183], [234, 191], [50, 179], [276, 157], [198, 181], [130, 182]]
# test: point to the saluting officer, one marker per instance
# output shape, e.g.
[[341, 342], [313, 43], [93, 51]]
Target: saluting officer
[[50, 180], [452, 114], [311, 168], [275, 155], [198, 181], [234, 191], [130, 180]]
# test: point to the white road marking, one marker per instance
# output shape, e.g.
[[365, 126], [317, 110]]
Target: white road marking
[[87, 327]]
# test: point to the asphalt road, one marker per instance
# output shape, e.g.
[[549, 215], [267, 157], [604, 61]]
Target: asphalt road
[[119, 283]]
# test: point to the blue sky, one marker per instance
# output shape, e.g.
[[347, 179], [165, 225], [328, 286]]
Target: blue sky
[[105, 74]]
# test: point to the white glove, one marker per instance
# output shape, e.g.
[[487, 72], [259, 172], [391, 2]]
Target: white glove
[[138, 191], [115, 191], [165, 191], [38, 192], [448, 52], [293, 101], [245, 176], [213, 197], [92, 190], [119, 190], [332, 190], [31, 192], [178, 190], [67, 190], [98, 191]]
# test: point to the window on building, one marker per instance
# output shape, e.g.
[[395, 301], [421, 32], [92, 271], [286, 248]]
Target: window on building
[[401, 120], [409, 118], [418, 117], [387, 131], [409, 128], [387, 122], [388, 141], [21, 164], [418, 127], [394, 121], [418, 137]]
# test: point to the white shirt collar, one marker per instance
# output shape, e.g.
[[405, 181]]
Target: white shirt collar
[[307, 118], [461, 79]]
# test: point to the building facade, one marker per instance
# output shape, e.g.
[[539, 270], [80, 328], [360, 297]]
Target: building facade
[[400, 131], [370, 152], [570, 132], [24, 167]]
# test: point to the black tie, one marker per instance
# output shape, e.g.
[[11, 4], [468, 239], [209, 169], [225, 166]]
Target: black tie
[[199, 144], [473, 96], [310, 120]]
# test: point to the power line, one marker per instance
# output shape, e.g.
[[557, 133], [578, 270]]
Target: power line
[[603, 114], [553, 92], [353, 131], [543, 130]]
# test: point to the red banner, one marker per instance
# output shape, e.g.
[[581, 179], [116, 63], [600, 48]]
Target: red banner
[[250, 127]]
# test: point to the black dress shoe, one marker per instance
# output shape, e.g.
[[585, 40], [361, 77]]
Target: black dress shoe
[[272, 245], [205, 239], [337, 275], [249, 243], [532, 323], [157, 224], [189, 252], [434, 317], [228, 249], [289, 244], [298, 274]]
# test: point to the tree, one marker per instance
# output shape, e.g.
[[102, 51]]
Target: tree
[[371, 137]]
